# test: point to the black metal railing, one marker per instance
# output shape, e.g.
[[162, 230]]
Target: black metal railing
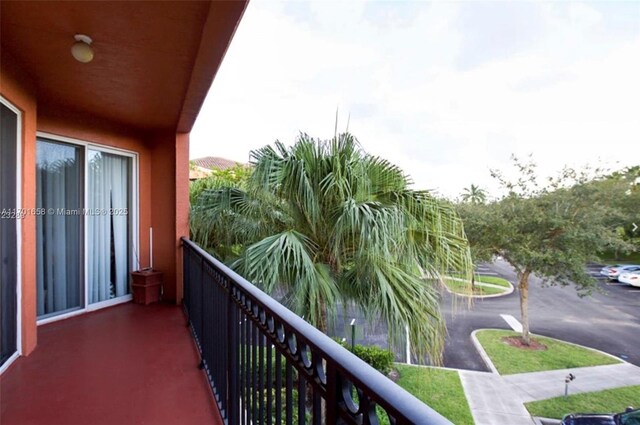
[[266, 365]]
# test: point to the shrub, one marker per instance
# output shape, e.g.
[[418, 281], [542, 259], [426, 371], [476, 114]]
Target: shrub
[[379, 358]]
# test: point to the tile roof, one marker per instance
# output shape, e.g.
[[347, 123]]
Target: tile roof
[[214, 163]]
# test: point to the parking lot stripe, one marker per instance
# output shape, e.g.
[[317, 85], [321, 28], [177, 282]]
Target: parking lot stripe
[[513, 322]]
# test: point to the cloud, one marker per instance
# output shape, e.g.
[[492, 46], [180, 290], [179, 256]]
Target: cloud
[[497, 30], [446, 90]]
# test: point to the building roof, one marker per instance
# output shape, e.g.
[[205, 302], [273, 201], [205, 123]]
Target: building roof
[[214, 163], [198, 173]]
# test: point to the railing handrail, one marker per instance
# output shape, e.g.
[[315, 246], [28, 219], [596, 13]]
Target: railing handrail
[[359, 372]]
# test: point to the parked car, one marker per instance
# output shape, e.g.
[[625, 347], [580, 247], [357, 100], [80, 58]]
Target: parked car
[[630, 278], [628, 417], [605, 270], [613, 272]]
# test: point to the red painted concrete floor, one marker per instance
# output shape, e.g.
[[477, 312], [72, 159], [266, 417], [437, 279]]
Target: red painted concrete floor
[[129, 364]]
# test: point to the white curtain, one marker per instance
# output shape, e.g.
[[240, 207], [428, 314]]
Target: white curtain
[[58, 240], [108, 226]]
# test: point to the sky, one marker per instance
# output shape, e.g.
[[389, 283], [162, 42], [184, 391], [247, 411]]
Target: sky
[[445, 90]]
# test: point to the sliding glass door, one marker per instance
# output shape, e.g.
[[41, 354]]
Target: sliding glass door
[[108, 233], [59, 181], [85, 235], [8, 233]]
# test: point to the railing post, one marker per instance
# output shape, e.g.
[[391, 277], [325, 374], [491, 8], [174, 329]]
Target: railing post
[[233, 396], [186, 281], [333, 395], [202, 301]]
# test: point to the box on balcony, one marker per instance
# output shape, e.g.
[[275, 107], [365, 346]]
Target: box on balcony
[[146, 286]]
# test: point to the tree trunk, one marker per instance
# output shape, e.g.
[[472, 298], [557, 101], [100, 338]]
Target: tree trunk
[[524, 305], [323, 324]]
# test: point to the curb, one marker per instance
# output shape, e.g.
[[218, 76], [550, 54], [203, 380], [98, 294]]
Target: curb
[[587, 348], [439, 367], [490, 365], [483, 354], [508, 291], [538, 420]]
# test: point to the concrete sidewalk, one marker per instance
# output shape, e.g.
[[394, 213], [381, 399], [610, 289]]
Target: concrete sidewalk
[[541, 385], [493, 401], [498, 400]]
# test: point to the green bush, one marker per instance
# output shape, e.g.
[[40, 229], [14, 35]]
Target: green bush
[[379, 358]]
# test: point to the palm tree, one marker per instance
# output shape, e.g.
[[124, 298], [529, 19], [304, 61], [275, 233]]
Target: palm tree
[[474, 194], [329, 224]]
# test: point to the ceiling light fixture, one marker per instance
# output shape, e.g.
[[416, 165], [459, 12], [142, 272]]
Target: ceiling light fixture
[[81, 49]]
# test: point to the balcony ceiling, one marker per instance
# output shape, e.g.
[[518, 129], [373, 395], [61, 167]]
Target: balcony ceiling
[[153, 63]]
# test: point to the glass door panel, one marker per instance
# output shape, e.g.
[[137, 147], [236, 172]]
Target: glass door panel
[[108, 225], [59, 195], [8, 233]]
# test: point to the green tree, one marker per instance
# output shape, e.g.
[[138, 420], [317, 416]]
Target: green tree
[[474, 194], [476, 218], [231, 177], [551, 230], [327, 223], [236, 177], [621, 190]]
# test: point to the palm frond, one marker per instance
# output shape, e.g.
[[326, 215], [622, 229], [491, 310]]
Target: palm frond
[[329, 224]]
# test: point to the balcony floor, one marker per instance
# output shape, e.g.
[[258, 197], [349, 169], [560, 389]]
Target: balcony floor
[[128, 364]]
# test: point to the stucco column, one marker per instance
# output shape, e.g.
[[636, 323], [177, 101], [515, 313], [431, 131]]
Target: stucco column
[[182, 204]]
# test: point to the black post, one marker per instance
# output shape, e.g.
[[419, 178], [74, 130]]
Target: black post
[[333, 394], [233, 395], [202, 331]]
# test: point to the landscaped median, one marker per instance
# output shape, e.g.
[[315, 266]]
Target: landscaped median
[[484, 286], [509, 357], [607, 401]]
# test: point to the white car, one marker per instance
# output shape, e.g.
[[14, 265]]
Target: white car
[[613, 272], [630, 278]]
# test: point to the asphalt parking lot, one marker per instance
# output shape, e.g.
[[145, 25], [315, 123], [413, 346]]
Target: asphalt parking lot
[[608, 320]]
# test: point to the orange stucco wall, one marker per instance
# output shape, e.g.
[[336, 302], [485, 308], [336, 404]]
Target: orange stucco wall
[[170, 189], [163, 192], [163, 209], [89, 129], [182, 202]]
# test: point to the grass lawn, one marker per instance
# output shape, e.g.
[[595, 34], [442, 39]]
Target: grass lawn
[[486, 290], [494, 280], [458, 286], [558, 355], [439, 388], [607, 401], [464, 288]]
